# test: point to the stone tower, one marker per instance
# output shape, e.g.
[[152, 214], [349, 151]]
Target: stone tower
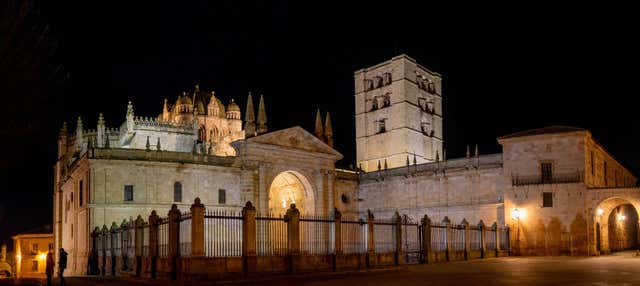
[[398, 113]]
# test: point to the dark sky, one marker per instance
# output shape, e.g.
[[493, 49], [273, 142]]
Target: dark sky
[[503, 71]]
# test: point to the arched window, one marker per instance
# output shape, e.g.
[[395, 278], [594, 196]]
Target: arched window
[[177, 192], [431, 88], [386, 99], [374, 104]]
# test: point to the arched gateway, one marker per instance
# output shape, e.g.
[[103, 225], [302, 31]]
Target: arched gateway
[[291, 187], [615, 220]]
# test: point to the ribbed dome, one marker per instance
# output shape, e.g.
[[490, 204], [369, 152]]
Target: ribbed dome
[[233, 106], [184, 100]]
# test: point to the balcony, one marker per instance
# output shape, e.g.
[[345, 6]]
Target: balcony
[[556, 178]]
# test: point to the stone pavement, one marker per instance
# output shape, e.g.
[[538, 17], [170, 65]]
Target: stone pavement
[[618, 269]]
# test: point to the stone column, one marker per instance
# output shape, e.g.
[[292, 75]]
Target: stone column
[[263, 189], [250, 262], [494, 228], [154, 219], [467, 243], [292, 217], [139, 222], [320, 192], [197, 228], [330, 195], [397, 238], [426, 238], [483, 238], [174, 240], [447, 240], [371, 246]]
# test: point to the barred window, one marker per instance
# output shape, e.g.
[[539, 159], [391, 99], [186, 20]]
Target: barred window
[[177, 192], [222, 196], [382, 125], [128, 193], [546, 171], [547, 200]]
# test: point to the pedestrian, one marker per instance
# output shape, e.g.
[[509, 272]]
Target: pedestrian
[[62, 265], [49, 267]]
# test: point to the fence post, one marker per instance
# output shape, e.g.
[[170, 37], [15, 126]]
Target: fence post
[[152, 245], [337, 236], [371, 246], [174, 240], [138, 244], [494, 228], [508, 231], [397, 237], [467, 242], [447, 237], [197, 228], [94, 253], [103, 235], [249, 261], [426, 238], [114, 243], [293, 232], [483, 234], [124, 242]]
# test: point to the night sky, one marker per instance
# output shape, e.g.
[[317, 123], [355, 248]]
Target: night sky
[[502, 72]]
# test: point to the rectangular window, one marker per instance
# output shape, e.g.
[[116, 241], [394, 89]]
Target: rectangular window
[[80, 198], [382, 125], [546, 172], [128, 193], [34, 266], [547, 200], [593, 168], [34, 248], [222, 196]]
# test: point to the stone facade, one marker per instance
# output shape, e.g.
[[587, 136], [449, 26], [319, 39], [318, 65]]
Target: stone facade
[[31, 253]]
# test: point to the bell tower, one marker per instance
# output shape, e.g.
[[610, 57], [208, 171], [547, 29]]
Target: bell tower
[[398, 111]]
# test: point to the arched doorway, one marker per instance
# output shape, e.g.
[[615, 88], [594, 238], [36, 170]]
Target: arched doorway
[[616, 225], [291, 187]]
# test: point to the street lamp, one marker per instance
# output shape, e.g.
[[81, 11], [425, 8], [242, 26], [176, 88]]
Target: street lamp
[[517, 214]]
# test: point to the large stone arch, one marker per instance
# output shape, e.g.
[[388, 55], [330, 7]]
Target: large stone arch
[[291, 185], [601, 214]]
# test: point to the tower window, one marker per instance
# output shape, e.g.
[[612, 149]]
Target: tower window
[[222, 196], [431, 87], [546, 172], [387, 78], [547, 200], [386, 100], [128, 193], [374, 104], [368, 84], [177, 192], [382, 126]]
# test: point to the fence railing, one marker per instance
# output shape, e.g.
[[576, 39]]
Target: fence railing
[[555, 178], [213, 233]]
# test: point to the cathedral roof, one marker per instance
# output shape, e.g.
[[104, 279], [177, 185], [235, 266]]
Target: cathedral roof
[[233, 106], [545, 130]]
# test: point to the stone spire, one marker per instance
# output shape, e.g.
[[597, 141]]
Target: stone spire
[[101, 131], [249, 119], [318, 131], [468, 152], [79, 135], [62, 140], [129, 117], [165, 110], [328, 131], [477, 154], [262, 117]]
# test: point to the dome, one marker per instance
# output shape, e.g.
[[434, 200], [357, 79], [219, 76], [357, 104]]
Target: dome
[[200, 107], [233, 106]]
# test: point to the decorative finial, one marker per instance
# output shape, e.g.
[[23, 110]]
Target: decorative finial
[[158, 144]]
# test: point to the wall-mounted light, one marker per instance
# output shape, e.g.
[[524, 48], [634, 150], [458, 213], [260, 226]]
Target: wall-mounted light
[[42, 256], [621, 217], [600, 212], [517, 213]]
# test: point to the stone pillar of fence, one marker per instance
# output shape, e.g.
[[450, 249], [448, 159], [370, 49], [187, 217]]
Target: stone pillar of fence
[[371, 242], [448, 232], [467, 241], [483, 237], [197, 228], [249, 259], [426, 238], [174, 240], [138, 244], [152, 243], [124, 237], [292, 217], [397, 238], [93, 254], [496, 233], [114, 243], [103, 235], [337, 233]]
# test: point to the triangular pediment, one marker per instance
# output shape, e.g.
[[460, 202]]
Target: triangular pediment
[[295, 138]]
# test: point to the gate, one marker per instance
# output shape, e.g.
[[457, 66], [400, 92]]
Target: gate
[[411, 240]]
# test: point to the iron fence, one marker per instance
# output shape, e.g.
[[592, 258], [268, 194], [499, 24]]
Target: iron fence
[[316, 235], [384, 236], [410, 235], [223, 234], [145, 240], [107, 244], [353, 235], [504, 238], [490, 240], [117, 242], [185, 234], [438, 236], [475, 237], [271, 235], [457, 237], [163, 237]]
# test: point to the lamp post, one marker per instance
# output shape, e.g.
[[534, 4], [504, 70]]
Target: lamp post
[[517, 214]]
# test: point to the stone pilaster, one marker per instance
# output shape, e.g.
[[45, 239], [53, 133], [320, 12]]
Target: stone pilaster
[[330, 191], [320, 192]]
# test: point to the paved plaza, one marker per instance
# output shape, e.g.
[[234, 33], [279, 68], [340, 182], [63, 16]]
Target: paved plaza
[[617, 269]]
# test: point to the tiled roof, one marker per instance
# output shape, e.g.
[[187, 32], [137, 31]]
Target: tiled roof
[[545, 130]]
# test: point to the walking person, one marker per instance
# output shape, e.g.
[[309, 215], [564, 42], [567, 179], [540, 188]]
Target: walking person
[[51, 263], [62, 264]]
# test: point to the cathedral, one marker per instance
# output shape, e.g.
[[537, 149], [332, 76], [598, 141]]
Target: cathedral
[[556, 186]]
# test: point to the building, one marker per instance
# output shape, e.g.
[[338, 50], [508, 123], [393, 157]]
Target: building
[[556, 187], [31, 250]]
